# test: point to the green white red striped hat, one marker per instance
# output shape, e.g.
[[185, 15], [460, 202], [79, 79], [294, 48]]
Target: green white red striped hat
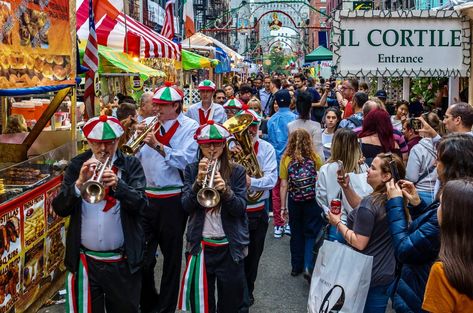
[[246, 110], [168, 93], [233, 103], [103, 128], [211, 132], [207, 85]]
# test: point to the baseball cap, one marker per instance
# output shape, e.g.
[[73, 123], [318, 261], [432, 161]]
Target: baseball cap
[[283, 98], [381, 94]]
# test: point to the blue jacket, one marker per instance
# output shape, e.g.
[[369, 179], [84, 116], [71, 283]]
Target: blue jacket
[[278, 132], [416, 247]]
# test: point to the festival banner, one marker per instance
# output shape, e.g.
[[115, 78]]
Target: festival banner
[[35, 43]]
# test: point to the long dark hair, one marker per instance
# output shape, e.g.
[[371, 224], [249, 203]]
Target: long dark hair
[[337, 113], [455, 151], [456, 249], [378, 122], [304, 104]]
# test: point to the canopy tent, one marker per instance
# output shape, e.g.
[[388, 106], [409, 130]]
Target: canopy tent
[[192, 61], [113, 61], [319, 54], [199, 39], [119, 31]]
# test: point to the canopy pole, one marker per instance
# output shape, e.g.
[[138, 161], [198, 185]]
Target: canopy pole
[[4, 113]]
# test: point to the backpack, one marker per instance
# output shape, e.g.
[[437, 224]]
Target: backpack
[[302, 177]]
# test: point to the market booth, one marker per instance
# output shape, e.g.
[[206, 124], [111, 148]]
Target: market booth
[[37, 76]]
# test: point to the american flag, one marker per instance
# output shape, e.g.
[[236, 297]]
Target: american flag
[[91, 60], [168, 27]]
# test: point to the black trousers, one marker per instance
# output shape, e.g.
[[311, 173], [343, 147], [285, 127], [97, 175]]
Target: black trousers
[[230, 277], [258, 226], [113, 287], [164, 224]]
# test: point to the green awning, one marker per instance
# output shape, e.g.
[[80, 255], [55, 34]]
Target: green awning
[[319, 54], [191, 61], [113, 61]]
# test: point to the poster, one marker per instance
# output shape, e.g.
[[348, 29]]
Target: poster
[[33, 264], [9, 285], [51, 217], [35, 43], [55, 248], [33, 212], [10, 236]]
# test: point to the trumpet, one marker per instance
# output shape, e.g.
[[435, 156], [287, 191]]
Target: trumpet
[[93, 190], [208, 196], [136, 141]]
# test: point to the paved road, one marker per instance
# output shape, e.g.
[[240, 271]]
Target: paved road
[[276, 290]]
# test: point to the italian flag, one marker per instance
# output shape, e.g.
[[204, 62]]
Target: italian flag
[[188, 15]]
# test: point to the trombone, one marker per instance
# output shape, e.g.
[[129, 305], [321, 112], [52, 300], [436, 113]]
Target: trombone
[[93, 190], [208, 196], [136, 142]]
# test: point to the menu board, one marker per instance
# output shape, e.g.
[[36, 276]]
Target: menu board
[[35, 43]]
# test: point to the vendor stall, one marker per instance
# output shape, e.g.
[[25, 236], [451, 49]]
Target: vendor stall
[[37, 74]]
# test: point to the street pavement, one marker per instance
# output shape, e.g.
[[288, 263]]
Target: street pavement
[[276, 290]]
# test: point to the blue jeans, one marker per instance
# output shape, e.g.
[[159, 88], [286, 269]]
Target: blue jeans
[[335, 235], [306, 221], [377, 299], [427, 196]]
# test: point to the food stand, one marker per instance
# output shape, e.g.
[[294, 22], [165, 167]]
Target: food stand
[[37, 61]]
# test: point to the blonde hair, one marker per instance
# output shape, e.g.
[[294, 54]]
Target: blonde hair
[[345, 147], [16, 124], [300, 146], [255, 100]]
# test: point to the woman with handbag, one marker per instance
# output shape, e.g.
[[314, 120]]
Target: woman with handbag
[[367, 228], [346, 156], [298, 172]]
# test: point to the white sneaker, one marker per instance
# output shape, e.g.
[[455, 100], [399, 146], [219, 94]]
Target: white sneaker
[[278, 231], [287, 230]]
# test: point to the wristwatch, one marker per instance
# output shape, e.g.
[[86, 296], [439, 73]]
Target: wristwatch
[[160, 148]]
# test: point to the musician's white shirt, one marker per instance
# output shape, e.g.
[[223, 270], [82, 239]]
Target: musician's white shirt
[[218, 114], [182, 150], [267, 161], [101, 231]]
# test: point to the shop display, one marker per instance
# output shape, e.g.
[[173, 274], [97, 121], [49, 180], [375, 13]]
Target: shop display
[[26, 177], [9, 285], [55, 248], [33, 266]]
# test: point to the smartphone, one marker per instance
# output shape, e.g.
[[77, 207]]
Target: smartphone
[[415, 124], [394, 172], [341, 168]]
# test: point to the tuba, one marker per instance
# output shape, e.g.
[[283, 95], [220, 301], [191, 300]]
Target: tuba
[[93, 190], [238, 127], [135, 143], [208, 196]]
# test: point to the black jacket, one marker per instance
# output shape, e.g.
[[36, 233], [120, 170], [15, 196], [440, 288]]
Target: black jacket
[[233, 212], [130, 193]]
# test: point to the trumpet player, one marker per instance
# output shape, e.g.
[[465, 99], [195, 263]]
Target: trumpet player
[[220, 232], [257, 214], [206, 109], [105, 239], [164, 157]]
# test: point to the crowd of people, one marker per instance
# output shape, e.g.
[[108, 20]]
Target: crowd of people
[[276, 147]]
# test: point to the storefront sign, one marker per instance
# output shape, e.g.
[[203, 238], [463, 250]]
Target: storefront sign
[[362, 5], [35, 43], [412, 43]]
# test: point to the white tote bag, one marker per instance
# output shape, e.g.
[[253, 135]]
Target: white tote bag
[[340, 281]]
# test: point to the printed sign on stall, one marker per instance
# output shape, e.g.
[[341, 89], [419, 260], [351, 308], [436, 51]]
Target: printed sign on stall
[[51, 217], [33, 264], [9, 285], [35, 45], [33, 212], [10, 236], [55, 248]]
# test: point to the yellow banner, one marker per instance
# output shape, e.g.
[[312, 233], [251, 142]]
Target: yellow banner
[[35, 43]]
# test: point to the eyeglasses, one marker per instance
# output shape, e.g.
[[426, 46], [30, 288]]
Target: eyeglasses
[[105, 143]]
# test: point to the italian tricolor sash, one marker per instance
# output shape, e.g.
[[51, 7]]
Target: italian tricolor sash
[[196, 276], [255, 207], [164, 192], [78, 298]]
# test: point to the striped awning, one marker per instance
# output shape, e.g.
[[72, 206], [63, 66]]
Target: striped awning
[[119, 31]]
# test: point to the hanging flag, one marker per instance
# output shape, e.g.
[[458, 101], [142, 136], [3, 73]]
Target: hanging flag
[[189, 18], [91, 61], [168, 27]]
